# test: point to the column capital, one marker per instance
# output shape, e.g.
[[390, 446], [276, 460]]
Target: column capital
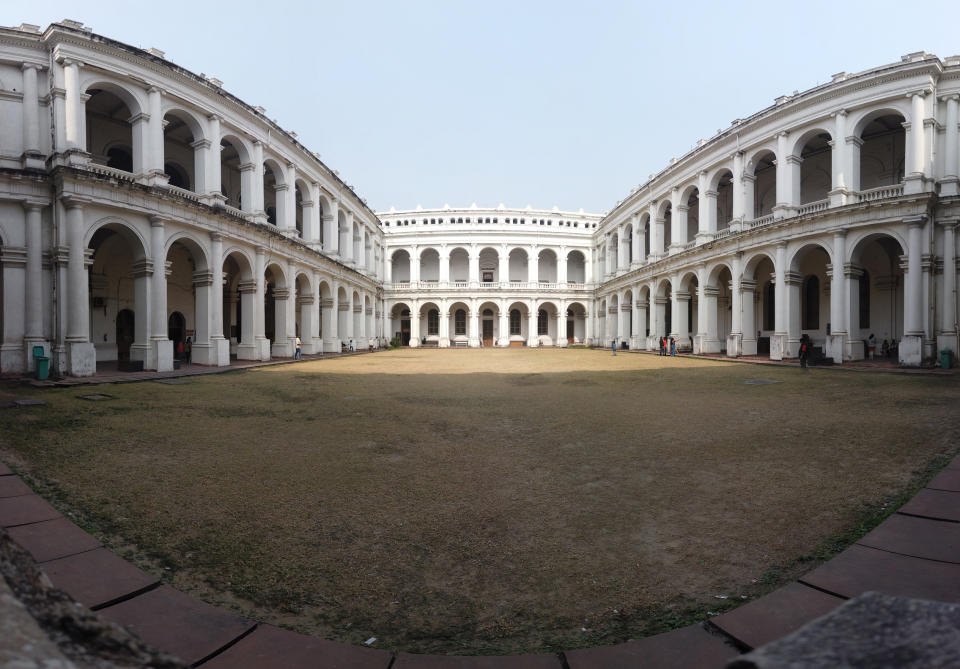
[[915, 221], [260, 251], [32, 66], [71, 201], [216, 237], [201, 144], [138, 117], [33, 205], [156, 89], [156, 221]]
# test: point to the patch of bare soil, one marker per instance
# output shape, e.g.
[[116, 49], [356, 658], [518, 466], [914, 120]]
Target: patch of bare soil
[[485, 501]]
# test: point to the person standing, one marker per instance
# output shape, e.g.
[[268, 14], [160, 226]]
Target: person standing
[[804, 350], [673, 347], [188, 350], [298, 353], [613, 345]]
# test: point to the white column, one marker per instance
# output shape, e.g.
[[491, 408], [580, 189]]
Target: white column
[[735, 338], [219, 345], [836, 342], [75, 109], [346, 246], [314, 235], [261, 343], [289, 221], [949, 184], [31, 109], [533, 338], [532, 263], [913, 180], [840, 160], [474, 267], [444, 255], [948, 310], [33, 290], [780, 340], [637, 239], [161, 348], [562, 255], [256, 205], [474, 325], [503, 268], [331, 231], [444, 329], [622, 248], [153, 161], [214, 180], [415, 323], [742, 199], [414, 265]]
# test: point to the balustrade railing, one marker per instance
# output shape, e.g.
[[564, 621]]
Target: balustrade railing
[[111, 172], [184, 193], [880, 193], [758, 222], [813, 207]]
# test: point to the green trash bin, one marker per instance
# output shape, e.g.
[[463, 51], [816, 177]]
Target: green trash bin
[[945, 358], [43, 363]]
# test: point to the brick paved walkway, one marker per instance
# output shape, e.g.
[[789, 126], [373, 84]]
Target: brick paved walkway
[[914, 553]]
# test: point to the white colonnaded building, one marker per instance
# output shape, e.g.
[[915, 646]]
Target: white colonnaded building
[[142, 204]]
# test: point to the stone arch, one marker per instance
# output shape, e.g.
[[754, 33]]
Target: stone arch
[[518, 264], [548, 324], [547, 266]]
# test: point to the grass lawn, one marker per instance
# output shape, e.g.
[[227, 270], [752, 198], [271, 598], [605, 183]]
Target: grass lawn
[[481, 501]]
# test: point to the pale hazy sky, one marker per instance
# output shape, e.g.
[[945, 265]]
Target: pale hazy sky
[[543, 103]]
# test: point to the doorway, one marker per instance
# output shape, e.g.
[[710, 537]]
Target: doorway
[[124, 333], [488, 332]]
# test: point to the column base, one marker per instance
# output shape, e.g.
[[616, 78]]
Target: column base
[[910, 350], [414, 342], [836, 343], [778, 346], [473, 342], [443, 343], [734, 348], [247, 352], [748, 346], [161, 355], [533, 342], [709, 345], [913, 184], [215, 353], [13, 359], [503, 342], [636, 342], [262, 344], [81, 358], [331, 345], [282, 349], [653, 343], [561, 342], [949, 186], [853, 350]]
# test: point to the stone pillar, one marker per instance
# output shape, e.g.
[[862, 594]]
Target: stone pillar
[[312, 231], [504, 324], [249, 346], [837, 340], [742, 204], [153, 160], [641, 331], [473, 268], [75, 131], [444, 266], [31, 118], [220, 345], [950, 183], [533, 339], [910, 347], [948, 310], [33, 287], [328, 313], [588, 326], [444, 329], [415, 324], [261, 343], [749, 195], [624, 322], [657, 239], [562, 267], [533, 261], [735, 338], [622, 249], [780, 344], [854, 346], [161, 348], [203, 288], [748, 341], [12, 263], [331, 232], [503, 268], [289, 221], [346, 240], [679, 322], [473, 325], [708, 315], [414, 252], [214, 178], [793, 281], [638, 338], [561, 339], [678, 237], [637, 239], [914, 159], [256, 192], [840, 160]]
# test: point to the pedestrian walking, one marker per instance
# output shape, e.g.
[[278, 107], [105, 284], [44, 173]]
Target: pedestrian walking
[[804, 350], [298, 353], [613, 345]]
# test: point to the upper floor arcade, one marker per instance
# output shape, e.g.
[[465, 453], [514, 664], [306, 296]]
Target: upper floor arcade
[[94, 104], [877, 135]]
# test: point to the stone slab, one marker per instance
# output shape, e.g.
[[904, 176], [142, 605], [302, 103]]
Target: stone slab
[[12, 486], [269, 646], [25, 509], [919, 537], [4, 470], [22, 642], [97, 577], [948, 479], [781, 612], [52, 539], [689, 647], [954, 464], [860, 569], [177, 623], [941, 504], [410, 661], [873, 630]]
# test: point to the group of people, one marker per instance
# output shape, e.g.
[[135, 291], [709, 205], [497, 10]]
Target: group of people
[[668, 346], [185, 350]]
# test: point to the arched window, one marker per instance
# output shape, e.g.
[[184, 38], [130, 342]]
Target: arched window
[[176, 176], [542, 322], [120, 158], [514, 321], [811, 304], [433, 322], [460, 322], [769, 305], [865, 299]]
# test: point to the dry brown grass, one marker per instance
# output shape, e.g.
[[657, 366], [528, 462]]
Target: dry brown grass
[[482, 500]]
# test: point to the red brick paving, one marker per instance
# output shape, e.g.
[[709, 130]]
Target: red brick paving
[[905, 555]]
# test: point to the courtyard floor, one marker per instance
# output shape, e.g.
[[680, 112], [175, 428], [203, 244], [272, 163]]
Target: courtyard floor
[[479, 501]]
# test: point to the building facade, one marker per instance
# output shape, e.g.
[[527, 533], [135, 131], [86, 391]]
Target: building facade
[[142, 204]]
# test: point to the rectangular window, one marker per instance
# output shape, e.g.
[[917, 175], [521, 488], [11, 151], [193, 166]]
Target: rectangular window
[[460, 322], [433, 322], [515, 322]]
